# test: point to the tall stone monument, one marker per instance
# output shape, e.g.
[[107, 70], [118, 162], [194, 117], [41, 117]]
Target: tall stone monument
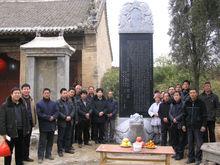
[[136, 59], [45, 63]]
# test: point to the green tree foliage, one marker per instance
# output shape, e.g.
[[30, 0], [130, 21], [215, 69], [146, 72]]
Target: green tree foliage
[[110, 81], [166, 74], [194, 31]]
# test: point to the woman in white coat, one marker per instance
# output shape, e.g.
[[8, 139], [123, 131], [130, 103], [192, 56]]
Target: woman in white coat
[[155, 121]]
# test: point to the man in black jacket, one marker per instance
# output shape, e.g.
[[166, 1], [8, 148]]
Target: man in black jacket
[[212, 104], [90, 97], [111, 117], [31, 108], [14, 124], [65, 122], [185, 91], [84, 115], [194, 122], [99, 108], [175, 116], [163, 113], [72, 99]]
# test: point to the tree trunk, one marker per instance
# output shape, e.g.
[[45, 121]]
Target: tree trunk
[[196, 76]]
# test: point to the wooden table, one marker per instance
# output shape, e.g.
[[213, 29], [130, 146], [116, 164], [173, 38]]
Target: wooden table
[[104, 149]]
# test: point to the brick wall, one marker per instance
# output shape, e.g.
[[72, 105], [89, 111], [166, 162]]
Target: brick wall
[[104, 53]]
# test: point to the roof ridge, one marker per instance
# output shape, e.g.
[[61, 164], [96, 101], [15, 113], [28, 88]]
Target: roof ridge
[[67, 16], [12, 1]]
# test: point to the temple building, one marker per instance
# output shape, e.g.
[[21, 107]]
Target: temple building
[[33, 33]]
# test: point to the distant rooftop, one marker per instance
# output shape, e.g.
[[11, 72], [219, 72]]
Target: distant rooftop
[[29, 16]]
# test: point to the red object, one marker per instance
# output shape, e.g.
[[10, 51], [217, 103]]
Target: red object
[[139, 139], [3, 66], [4, 149]]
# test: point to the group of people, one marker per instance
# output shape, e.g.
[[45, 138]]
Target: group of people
[[186, 117], [180, 117], [79, 115]]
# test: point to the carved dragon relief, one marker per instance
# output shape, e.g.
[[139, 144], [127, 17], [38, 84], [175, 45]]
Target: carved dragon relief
[[136, 17]]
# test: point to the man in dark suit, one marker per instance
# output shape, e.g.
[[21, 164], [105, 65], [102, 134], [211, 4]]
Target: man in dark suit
[[84, 115], [64, 122], [194, 122]]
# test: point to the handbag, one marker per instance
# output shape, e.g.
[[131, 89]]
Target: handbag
[[4, 149]]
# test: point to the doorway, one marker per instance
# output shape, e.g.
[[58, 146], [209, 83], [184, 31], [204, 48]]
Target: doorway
[[9, 75]]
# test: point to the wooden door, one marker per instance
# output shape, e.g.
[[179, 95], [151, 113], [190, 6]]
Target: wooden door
[[9, 77]]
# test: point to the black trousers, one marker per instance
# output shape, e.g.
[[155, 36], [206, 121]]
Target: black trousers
[[27, 140], [195, 138], [45, 144], [177, 140], [165, 130], [73, 134], [92, 131], [76, 132], [64, 137], [209, 135], [110, 130], [99, 132], [18, 144], [83, 131]]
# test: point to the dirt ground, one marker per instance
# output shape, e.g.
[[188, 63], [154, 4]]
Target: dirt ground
[[87, 156]]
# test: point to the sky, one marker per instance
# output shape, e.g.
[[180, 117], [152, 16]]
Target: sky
[[161, 20]]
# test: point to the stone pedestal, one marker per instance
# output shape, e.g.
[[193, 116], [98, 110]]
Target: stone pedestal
[[211, 152], [122, 129], [46, 65]]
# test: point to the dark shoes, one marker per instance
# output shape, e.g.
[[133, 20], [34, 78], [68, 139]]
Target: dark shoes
[[60, 154], [28, 160], [69, 151], [174, 156], [102, 142], [99, 142], [40, 161], [49, 157], [178, 157], [88, 144], [190, 161], [197, 162]]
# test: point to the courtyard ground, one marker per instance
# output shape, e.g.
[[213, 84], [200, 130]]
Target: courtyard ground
[[87, 156]]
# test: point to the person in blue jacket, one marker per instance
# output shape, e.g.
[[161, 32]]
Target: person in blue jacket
[[47, 113]]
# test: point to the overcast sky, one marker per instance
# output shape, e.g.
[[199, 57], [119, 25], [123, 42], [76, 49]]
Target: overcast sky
[[159, 9]]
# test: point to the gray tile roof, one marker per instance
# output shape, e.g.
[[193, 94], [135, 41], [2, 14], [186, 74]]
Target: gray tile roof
[[49, 16]]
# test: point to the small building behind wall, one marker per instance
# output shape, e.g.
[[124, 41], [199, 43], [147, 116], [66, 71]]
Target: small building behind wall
[[83, 24]]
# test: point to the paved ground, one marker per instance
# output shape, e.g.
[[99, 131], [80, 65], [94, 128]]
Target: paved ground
[[87, 156]]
